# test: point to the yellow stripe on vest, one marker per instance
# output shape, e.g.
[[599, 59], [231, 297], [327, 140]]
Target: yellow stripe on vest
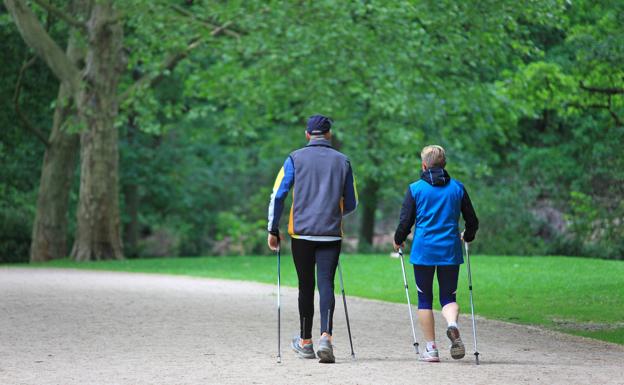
[[278, 179]]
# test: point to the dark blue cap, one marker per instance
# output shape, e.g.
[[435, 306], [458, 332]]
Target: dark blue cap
[[318, 124]]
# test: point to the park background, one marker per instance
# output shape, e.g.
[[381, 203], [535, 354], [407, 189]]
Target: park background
[[156, 128]]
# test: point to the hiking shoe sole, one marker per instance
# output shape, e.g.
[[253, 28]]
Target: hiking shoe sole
[[458, 350], [325, 351], [326, 356]]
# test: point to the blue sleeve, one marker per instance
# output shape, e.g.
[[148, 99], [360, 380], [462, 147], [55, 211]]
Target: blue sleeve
[[350, 195], [283, 183]]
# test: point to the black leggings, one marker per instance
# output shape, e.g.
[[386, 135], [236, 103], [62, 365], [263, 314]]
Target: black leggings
[[325, 255]]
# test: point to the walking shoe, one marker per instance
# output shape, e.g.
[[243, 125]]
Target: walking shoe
[[307, 351], [457, 346], [325, 351], [430, 355]]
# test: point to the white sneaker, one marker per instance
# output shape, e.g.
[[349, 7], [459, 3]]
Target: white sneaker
[[430, 355]]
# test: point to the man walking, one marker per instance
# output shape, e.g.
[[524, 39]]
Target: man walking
[[324, 192]]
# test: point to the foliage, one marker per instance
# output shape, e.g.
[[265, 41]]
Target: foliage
[[16, 213], [517, 92]]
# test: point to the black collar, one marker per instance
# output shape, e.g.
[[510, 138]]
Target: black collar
[[322, 142]]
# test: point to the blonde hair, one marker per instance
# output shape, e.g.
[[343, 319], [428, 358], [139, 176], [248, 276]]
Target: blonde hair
[[433, 156]]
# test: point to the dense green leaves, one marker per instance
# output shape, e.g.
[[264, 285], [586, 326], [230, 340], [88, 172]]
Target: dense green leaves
[[523, 95]]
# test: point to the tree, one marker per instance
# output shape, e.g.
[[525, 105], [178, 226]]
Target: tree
[[393, 75], [28, 87], [49, 236], [567, 110], [94, 94], [96, 98]]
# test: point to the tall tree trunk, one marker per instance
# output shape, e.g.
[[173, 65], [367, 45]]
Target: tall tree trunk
[[49, 236], [370, 193], [369, 206], [131, 230], [98, 234], [131, 195]]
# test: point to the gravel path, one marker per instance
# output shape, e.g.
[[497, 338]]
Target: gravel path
[[83, 327]]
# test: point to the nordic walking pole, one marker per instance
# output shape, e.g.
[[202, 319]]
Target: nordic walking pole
[[279, 326], [409, 304], [474, 324], [344, 301]]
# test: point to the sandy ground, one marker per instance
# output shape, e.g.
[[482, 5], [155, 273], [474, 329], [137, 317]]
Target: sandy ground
[[82, 327]]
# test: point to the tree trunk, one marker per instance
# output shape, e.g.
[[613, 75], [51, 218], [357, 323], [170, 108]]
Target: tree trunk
[[98, 233], [131, 196], [131, 230], [369, 202], [49, 236]]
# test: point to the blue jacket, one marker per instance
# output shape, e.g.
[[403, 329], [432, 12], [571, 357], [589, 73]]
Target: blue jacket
[[324, 191], [434, 204]]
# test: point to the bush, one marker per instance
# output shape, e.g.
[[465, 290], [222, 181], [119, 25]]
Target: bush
[[507, 225], [15, 235], [235, 234]]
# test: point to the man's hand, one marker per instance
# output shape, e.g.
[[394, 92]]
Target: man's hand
[[273, 242], [397, 247]]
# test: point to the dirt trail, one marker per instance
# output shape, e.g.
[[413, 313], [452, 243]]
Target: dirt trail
[[82, 327]]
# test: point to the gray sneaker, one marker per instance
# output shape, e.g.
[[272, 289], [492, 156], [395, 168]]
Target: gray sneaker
[[457, 346], [307, 351], [326, 351]]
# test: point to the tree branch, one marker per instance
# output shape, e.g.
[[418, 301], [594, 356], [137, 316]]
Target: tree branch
[[615, 117], [172, 61], [618, 121], [18, 88], [586, 106], [174, 58], [168, 65], [40, 41], [215, 28], [62, 15], [607, 91]]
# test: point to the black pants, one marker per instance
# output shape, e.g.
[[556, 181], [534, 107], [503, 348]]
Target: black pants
[[325, 256]]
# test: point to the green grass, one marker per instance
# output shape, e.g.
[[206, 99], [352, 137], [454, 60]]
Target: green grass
[[574, 295]]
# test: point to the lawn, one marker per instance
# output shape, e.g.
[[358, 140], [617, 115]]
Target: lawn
[[574, 295]]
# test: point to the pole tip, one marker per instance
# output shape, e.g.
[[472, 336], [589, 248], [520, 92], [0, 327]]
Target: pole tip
[[476, 354]]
